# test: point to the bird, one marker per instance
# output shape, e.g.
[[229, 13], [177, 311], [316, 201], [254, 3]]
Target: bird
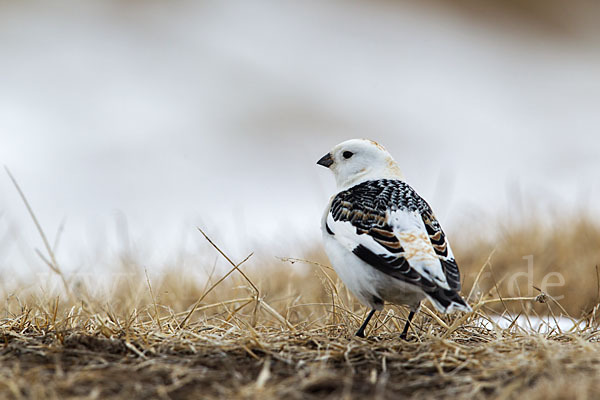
[[382, 238]]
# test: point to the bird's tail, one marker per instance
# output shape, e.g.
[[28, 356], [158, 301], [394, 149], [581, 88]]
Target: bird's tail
[[447, 301]]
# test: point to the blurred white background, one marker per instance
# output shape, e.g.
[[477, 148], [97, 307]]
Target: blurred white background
[[136, 121]]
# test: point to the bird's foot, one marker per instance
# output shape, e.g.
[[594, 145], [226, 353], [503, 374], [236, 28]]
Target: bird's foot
[[407, 339]]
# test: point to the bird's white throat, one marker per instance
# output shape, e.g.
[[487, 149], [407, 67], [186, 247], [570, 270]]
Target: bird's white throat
[[388, 171]]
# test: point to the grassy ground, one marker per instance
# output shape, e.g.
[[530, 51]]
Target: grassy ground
[[286, 330], [221, 360]]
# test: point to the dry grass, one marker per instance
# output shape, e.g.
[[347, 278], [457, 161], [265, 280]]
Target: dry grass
[[285, 329], [281, 330], [557, 255]]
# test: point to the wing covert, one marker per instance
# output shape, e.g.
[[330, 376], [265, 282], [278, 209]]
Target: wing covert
[[442, 249], [368, 206]]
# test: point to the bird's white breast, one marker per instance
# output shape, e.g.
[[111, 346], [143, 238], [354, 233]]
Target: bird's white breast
[[363, 280]]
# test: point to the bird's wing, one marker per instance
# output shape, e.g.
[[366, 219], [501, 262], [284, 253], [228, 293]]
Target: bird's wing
[[389, 226], [442, 249]]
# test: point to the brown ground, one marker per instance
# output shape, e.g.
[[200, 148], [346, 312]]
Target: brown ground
[[215, 362], [282, 331]]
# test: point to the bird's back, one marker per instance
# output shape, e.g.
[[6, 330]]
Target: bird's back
[[388, 226]]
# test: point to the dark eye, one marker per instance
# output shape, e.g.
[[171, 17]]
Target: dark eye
[[347, 154]]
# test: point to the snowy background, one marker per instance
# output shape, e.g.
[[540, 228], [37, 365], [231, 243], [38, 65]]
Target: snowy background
[[134, 122]]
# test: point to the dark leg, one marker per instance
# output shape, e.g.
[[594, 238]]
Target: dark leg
[[361, 331], [405, 331]]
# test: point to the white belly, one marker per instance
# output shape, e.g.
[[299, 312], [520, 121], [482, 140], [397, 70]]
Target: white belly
[[367, 283]]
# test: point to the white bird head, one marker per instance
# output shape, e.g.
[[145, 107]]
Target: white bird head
[[358, 160]]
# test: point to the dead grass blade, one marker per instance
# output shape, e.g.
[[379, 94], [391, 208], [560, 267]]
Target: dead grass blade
[[235, 266], [217, 283], [52, 263], [156, 314]]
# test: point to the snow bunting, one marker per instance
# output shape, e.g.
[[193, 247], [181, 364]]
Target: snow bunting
[[382, 237]]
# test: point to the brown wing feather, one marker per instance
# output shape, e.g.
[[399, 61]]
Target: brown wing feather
[[440, 246], [366, 207]]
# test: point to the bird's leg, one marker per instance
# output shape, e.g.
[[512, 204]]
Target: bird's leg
[[405, 330], [361, 331]]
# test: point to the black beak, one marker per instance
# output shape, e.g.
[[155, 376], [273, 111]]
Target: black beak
[[326, 160]]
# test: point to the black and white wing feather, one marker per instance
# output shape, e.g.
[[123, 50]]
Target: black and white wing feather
[[390, 227]]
